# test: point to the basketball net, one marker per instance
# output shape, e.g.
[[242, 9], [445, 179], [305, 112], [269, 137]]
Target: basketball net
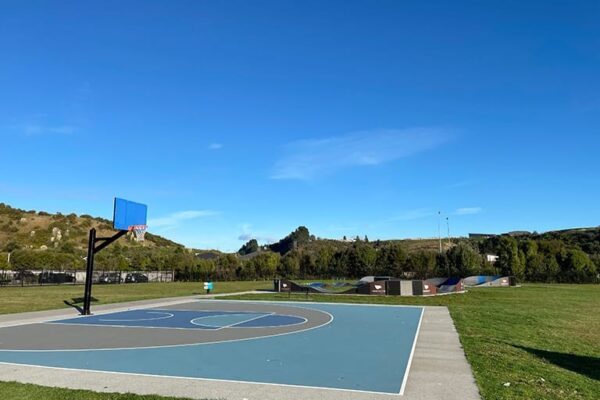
[[140, 231]]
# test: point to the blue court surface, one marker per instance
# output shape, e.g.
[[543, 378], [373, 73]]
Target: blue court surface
[[184, 319], [359, 347]]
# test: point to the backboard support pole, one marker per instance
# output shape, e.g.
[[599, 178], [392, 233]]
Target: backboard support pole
[[92, 250]]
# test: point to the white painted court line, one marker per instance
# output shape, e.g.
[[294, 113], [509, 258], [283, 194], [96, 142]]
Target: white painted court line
[[318, 302], [170, 345], [412, 352], [274, 326], [120, 326], [168, 315], [243, 322], [208, 379], [52, 318], [216, 327]]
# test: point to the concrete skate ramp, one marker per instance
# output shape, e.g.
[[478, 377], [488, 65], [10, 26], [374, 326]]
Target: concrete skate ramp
[[488, 280], [284, 285]]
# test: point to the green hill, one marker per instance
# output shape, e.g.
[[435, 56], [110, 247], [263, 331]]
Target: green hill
[[21, 229]]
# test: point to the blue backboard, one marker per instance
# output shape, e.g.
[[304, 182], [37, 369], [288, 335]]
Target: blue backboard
[[128, 213]]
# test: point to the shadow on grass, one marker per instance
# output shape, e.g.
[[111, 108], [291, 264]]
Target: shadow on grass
[[584, 365], [77, 300]]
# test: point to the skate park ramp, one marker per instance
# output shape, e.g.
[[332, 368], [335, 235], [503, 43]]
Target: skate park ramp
[[489, 280]]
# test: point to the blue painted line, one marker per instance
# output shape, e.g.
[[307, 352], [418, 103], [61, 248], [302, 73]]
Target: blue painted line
[[364, 348]]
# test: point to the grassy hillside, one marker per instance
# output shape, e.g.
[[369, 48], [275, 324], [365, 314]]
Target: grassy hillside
[[42, 230]]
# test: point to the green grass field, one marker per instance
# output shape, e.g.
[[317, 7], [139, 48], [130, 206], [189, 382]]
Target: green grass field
[[37, 298], [542, 339]]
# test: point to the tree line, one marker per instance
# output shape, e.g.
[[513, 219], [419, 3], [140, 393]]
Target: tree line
[[302, 256]]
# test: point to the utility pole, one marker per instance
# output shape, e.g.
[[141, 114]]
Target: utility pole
[[448, 225], [439, 231]]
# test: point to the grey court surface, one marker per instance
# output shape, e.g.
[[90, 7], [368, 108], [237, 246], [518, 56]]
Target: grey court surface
[[242, 350]]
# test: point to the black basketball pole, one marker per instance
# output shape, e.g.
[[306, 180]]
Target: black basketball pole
[[89, 272]]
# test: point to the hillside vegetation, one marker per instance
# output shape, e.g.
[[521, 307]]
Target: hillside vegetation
[[56, 241], [42, 230], [38, 240]]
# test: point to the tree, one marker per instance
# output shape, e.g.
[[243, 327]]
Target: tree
[[366, 259], [11, 246], [140, 261], [578, 267], [270, 265], [424, 264], [250, 247], [552, 268], [264, 265], [4, 261], [298, 238], [535, 270], [226, 267], [323, 263], [290, 265], [391, 260], [510, 260], [442, 264], [464, 260]]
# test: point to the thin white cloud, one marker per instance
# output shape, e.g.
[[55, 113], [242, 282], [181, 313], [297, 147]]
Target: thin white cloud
[[215, 146], [468, 211], [34, 129], [248, 235], [175, 219], [308, 159]]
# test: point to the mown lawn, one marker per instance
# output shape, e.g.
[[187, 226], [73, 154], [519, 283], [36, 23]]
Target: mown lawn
[[19, 391], [36, 298], [542, 339]]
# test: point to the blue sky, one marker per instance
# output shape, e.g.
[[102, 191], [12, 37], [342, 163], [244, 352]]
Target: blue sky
[[239, 119]]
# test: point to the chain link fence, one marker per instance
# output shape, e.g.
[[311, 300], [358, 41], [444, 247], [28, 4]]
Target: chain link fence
[[44, 277]]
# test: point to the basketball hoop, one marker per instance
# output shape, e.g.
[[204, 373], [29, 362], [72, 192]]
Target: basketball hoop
[[140, 231]]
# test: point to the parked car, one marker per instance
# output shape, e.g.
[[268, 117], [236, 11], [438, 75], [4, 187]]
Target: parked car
[[110, 277], [136, 277], [55, 277], [25, 276]]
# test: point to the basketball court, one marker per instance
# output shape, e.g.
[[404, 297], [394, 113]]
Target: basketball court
[[208, 348], [344, 347], [237, 349]]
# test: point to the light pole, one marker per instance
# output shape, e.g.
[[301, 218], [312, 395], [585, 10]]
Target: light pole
[[448, 225], [439, 231]]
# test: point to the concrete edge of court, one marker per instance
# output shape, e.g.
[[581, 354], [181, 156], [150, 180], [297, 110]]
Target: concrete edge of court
[[439, 369]]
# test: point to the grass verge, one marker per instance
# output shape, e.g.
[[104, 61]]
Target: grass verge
[[38, 298], [21, 391]]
